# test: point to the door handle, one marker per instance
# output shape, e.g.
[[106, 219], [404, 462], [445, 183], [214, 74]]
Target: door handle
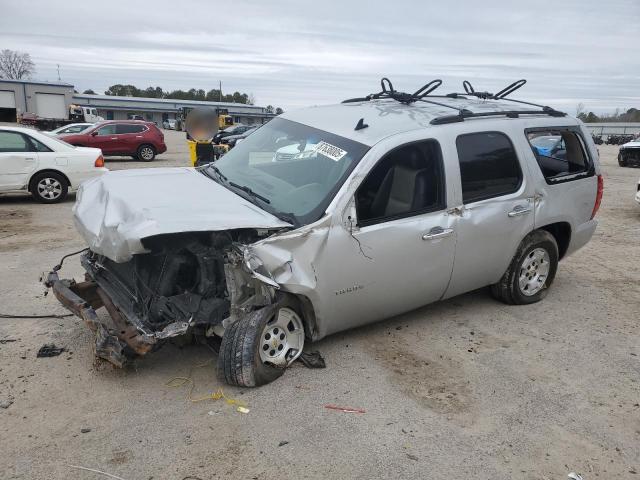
[[437, 232], [114, 138], [519, 210]]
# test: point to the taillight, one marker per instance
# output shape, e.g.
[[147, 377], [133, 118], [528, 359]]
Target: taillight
[[99, 161], [596, 206]]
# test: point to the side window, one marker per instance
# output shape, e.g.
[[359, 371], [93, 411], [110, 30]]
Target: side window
[[39, 146], [107, 130], [129, 128], [561, 153], [489, 166], [407, 181], [13, 142]]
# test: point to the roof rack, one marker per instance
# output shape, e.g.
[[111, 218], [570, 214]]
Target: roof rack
[[419, 96]]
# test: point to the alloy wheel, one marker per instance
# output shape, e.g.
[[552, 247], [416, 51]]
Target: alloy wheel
[[282, 339], [534, 271]]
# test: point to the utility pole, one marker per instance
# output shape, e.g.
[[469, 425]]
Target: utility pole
[[58, 71], [220, 99]]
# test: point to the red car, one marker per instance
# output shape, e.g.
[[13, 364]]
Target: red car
[[141, 140]]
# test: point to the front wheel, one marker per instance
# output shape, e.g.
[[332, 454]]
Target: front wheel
[[531, 271], [256, 349], [49, 187], [146, 153]]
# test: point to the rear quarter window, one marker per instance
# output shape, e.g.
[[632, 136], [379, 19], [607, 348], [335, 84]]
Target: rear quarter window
[[561, 154]]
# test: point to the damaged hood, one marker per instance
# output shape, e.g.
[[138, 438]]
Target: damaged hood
[[116, 211]]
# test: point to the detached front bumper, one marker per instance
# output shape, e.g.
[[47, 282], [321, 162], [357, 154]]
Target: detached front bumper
[[116, 340]]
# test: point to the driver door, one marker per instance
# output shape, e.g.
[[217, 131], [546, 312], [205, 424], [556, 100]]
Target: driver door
[[105, 138], [399, 255], [18, 159]]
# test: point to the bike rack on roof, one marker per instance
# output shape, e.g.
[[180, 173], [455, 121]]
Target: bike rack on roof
[[419, 96]]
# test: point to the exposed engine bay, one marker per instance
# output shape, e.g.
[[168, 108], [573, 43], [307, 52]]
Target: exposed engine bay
[[196, 282]]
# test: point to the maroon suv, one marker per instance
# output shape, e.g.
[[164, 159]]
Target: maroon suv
[[141, 140]]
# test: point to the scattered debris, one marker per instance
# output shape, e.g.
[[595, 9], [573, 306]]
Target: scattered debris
[[412, 457], [283, 443], [312, 360], [96, 471], [7, 340], [85, 430], [575, 476], [6, 403], [49, 350], [178, 382], [345, 409]]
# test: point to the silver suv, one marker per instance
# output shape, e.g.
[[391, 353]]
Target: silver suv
[[386, 203]]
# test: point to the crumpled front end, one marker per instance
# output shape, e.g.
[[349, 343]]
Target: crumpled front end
[[192, 283]]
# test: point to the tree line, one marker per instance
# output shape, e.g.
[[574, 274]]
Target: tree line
[[631, 115], [213, 95]]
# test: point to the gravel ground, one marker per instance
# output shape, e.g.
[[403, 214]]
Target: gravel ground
[[467, 388]]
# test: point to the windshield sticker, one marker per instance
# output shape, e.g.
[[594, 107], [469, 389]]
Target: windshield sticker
[[331, 151]]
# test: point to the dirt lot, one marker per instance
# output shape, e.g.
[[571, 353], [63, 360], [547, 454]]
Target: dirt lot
[[467, 388]]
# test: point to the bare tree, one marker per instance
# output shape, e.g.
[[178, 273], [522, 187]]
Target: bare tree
[[580, 109], [16, 65]]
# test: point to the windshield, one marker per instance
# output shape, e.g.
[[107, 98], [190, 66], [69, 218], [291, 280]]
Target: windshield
[[290, 169]]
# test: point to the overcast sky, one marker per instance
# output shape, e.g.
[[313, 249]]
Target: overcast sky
[[293, 53]]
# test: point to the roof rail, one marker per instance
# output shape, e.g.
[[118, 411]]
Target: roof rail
[[419, 96], [464, 114]]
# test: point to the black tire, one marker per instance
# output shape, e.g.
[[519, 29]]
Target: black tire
[[49, 187], [146, 153], [621, 161], [508, 289], [239, 361]]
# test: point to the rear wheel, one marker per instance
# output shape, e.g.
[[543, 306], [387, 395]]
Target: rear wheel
[[49, 187], [256, 349], [531, 271], [146, 153]]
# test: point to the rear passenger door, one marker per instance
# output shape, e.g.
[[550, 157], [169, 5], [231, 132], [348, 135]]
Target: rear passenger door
[[495, 212], [129, 137]]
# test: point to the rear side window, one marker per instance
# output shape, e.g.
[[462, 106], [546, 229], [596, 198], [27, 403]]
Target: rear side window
[[561, 154], [13, 142], [39, 146], [129, 128], [489, 166]]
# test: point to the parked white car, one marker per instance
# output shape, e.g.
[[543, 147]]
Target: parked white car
[[69, 129], [638, 193], [48, 168], [169, 124]]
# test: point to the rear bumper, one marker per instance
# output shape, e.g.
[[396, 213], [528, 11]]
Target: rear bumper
[[581, 236], [161, 148], [116, 340]]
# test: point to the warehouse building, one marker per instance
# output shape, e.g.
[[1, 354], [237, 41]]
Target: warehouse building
[[161, 109], [52, 100]]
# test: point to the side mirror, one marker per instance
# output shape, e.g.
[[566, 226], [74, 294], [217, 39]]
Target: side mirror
[[94, 133]]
